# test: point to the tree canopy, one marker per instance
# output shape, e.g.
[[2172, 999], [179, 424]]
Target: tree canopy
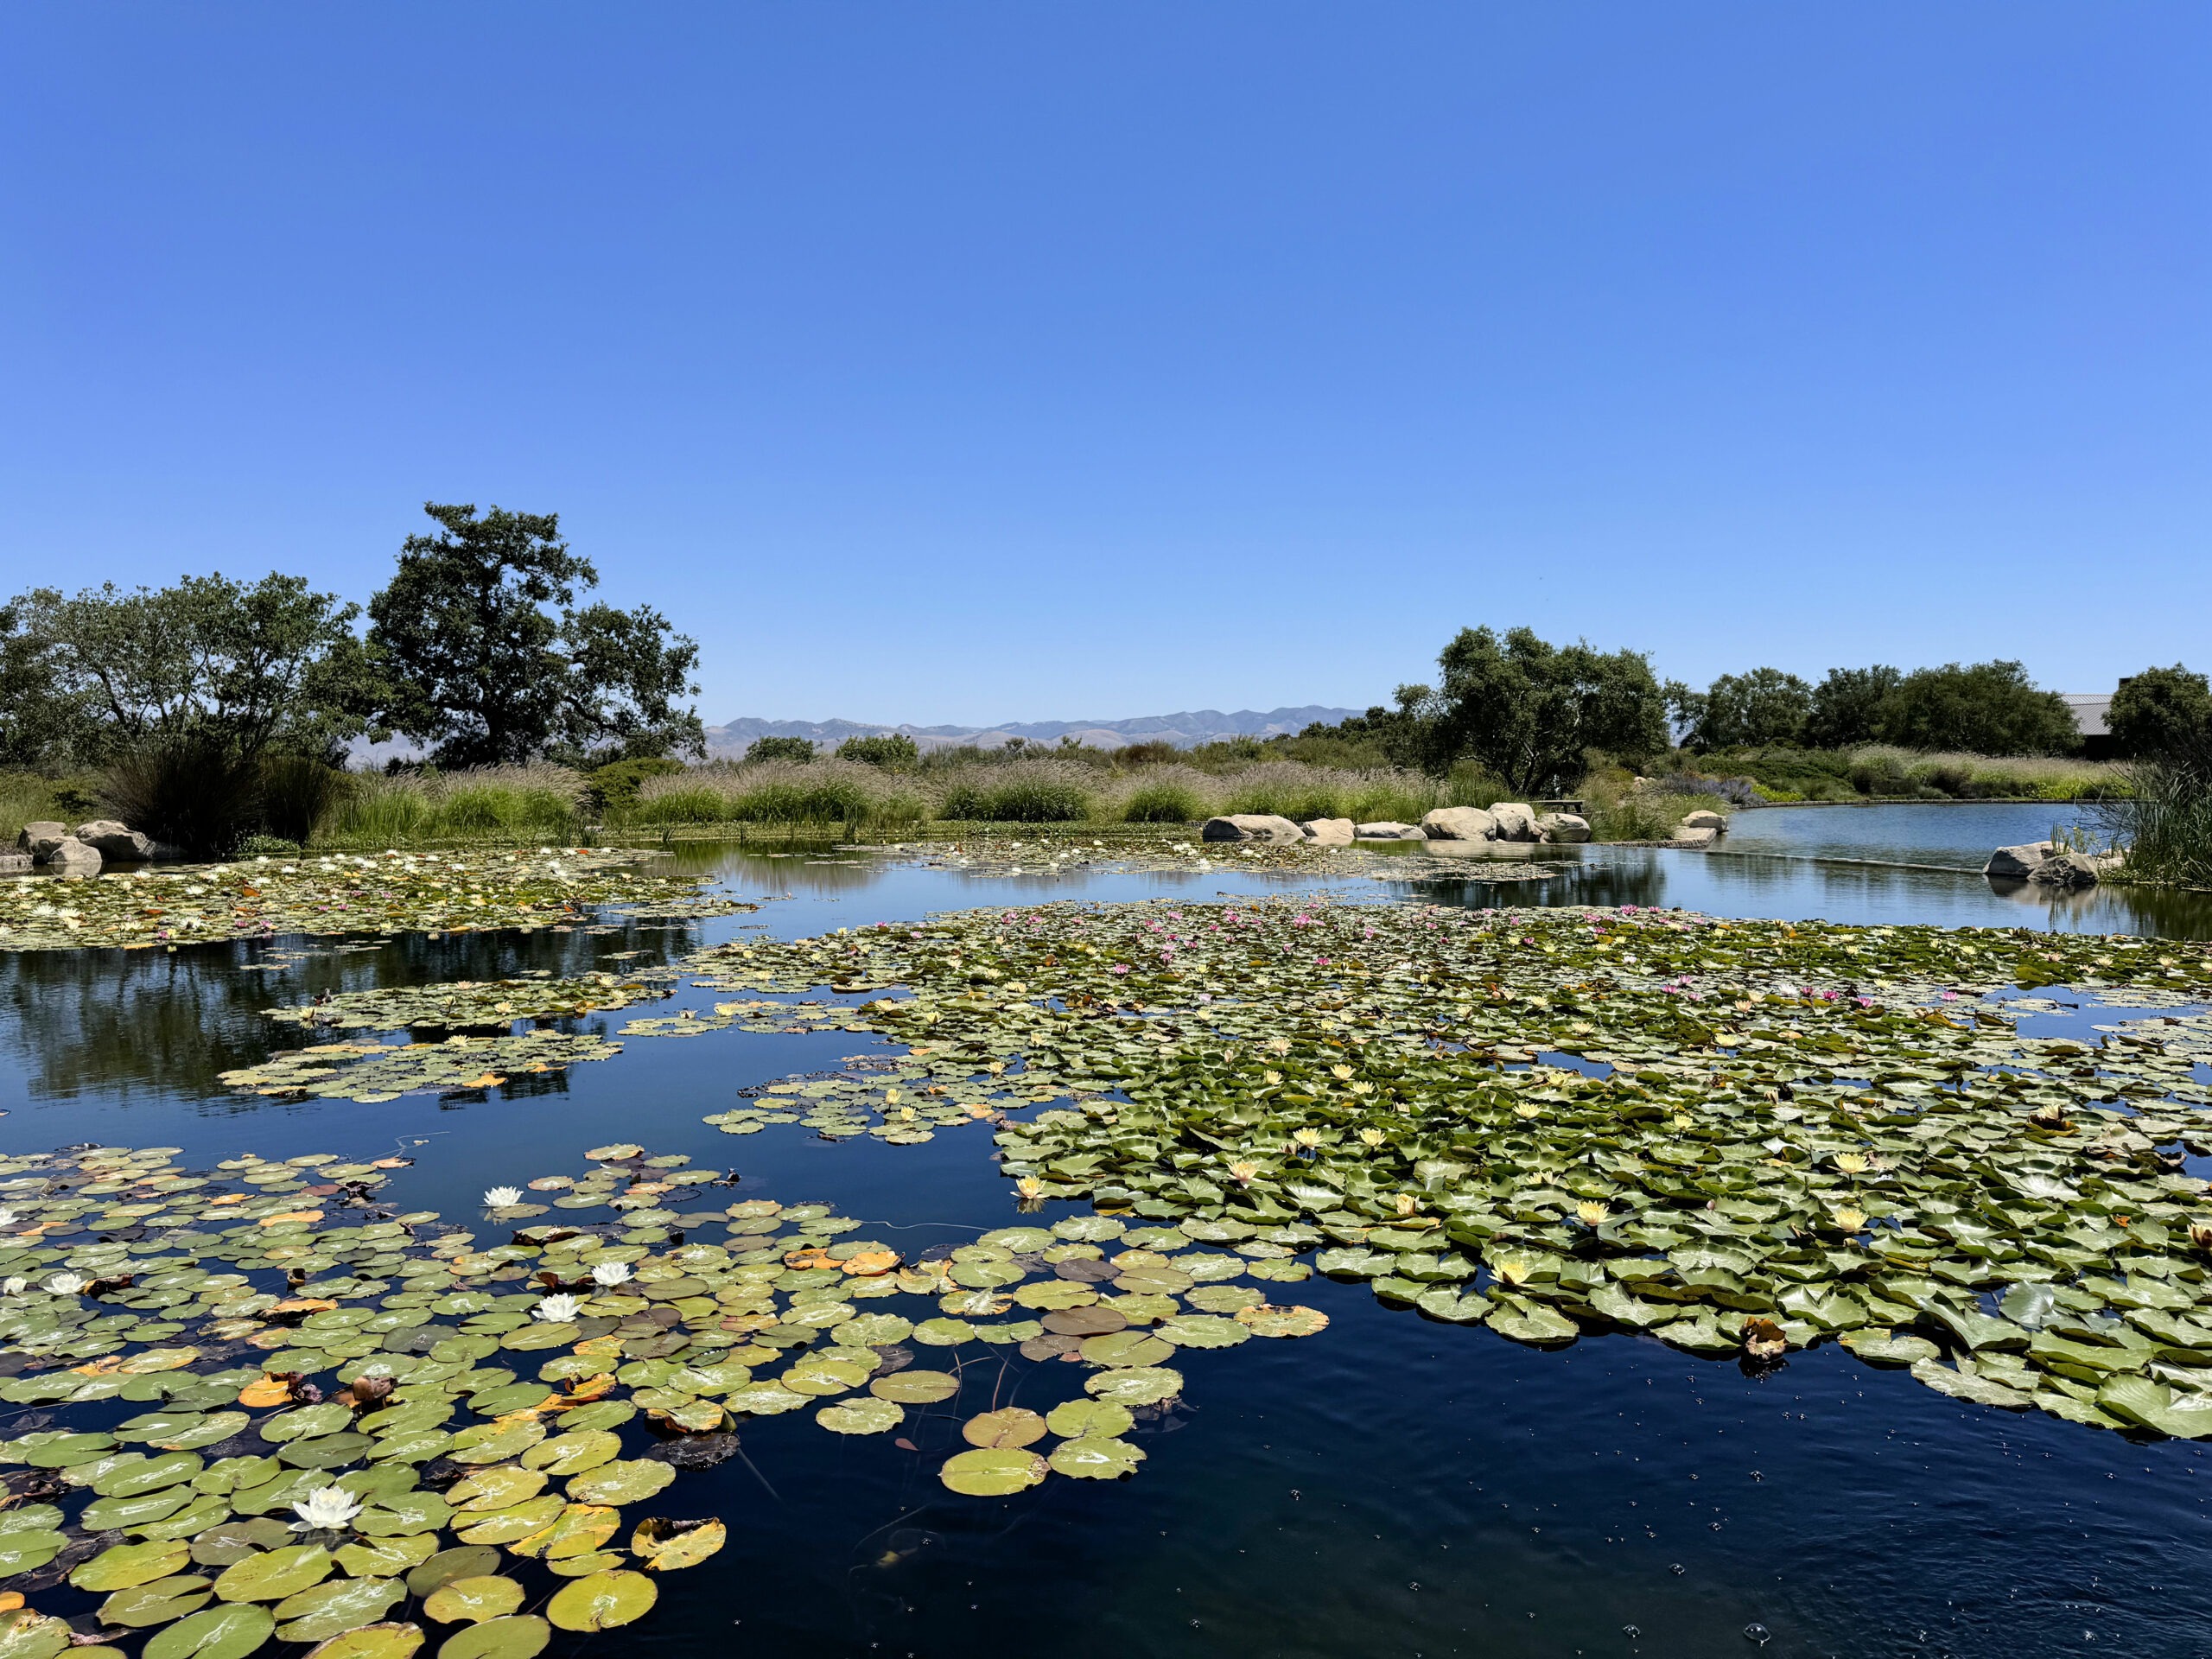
[[480, 652], [2161, 713], [1528, 711], [1986, 709], [1764, 707]]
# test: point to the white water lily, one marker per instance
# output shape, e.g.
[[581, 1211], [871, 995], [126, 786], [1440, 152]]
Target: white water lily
[[326, 1510], [15, 1286], [6, 1218], [611, 1273], [502, 1198], [67, 1284], [557, 1310]]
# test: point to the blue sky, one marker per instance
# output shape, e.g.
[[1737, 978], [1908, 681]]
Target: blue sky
[[971, 363]]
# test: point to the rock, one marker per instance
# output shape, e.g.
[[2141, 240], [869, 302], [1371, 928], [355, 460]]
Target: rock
[[1714, 820], [41, 838], [2067, 870], [1251, 826], [1563, 827], [116, 843], [1696, 838], [1388, 831], [1459, 823], [74, 857], [1328, 832], [15, 863], [2018, 861], [1516, 821]]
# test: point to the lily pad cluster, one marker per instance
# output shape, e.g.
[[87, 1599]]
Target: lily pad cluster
[[1742, 1137], [1166, 852], [371, 1072], [476, 1004], [343, 894], [252, 1404]]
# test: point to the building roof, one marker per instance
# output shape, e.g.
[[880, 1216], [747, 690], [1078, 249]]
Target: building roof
[[2090, 710]]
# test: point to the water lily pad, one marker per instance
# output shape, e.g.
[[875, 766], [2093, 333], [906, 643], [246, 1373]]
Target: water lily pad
[[27, 1634], [1202, 1330], [625, 1482], [943, 1333], [990, 1471], [1293, 1321], [214, 1633], [864, 1415], [390, 1640], [1095, 1458], [120, 1567], [820, 1377], [495, 1442], [915, 1388], [1143, 1386], [1010, 1425], [500, 1487], [506, 1526], [523, 1636], [1101, 1418], [385, 1558], [578, 1531], [667, 1546], [602, 1601], [1127, 1348], [331, 1609], [163, 1601], [466, 1561], [572, 1453], [473, 1599], [281, 1573]]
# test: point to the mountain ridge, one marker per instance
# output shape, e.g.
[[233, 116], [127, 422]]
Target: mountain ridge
[[1186, 729]]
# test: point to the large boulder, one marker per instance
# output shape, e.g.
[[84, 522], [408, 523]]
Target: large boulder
[[1703, 820], [1563, 827], [2016, 863], [1459, 823], [1388, 829], [41, 838], [1516, 821], [1696, 837], [117, 843], [1251, 826], [1328, 832], [15, 863], [74, 857], [2067, 870]]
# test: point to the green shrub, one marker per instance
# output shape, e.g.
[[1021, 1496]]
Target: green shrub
[[612, 788], [268, 847], [1163, 803], [890, 751], [696, 805], [1026, 800], [779, 748]]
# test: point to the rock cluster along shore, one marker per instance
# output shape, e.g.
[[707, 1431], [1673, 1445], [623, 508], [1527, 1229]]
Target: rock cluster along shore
[[1507, 821], [2048, 864], [85, 849]]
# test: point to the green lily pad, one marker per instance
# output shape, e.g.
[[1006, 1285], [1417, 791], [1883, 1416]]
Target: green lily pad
[[574, 1452], [385, 1641], [625, 1482], [214, 1633], [602, 1601], [864, 1415], [473, 1599], [1095, 1458], [27, 1634], [990, 1471], [820, 1377], [1101, 1418], [1201, 1330], [281, 1573], [342, 1605], [500, 1487], [163, 1601], [121, 1566], [1143, 1386], [915, 1388], [1009, 1427], [1127, 1348], [469, 1560], [523, 1636], [506, 1526]]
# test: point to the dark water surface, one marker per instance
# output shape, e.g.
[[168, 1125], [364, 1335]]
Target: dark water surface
[[1392, 1486]]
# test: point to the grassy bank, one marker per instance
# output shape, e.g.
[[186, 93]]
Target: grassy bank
[[538, 803], [1875, 771]]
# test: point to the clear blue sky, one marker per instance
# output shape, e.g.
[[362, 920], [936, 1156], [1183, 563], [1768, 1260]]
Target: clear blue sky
[[953, 362]]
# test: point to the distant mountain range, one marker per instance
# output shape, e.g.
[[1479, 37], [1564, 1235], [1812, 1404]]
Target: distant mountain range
[[1185, 730]]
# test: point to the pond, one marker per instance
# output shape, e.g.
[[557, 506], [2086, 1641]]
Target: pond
[[1394, 1485]]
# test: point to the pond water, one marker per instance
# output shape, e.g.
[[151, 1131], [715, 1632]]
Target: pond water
[[1393, 1486]]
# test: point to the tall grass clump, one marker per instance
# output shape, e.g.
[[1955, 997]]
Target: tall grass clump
[[2164, 822], [29, 798], [539, 802], [1163, 801], [779, 791]]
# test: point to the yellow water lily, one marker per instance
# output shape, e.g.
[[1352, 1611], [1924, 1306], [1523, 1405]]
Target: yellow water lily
[[1308, 1138], [1407, 1203], [1030, 1188], [1363, 1087], [1273, 1078], [1340, 1072], [1244, 1169], [1370, 1137], [1849, 1220], [1850, 1163], [1516, 1269], [1589, 1212], [1524, 1109]]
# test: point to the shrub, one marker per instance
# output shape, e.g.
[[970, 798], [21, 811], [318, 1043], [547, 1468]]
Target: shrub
[[779, 748], [1163, 803], [890, 751], [1152, 752], [192, 791], [297, 794], [612, 788]]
